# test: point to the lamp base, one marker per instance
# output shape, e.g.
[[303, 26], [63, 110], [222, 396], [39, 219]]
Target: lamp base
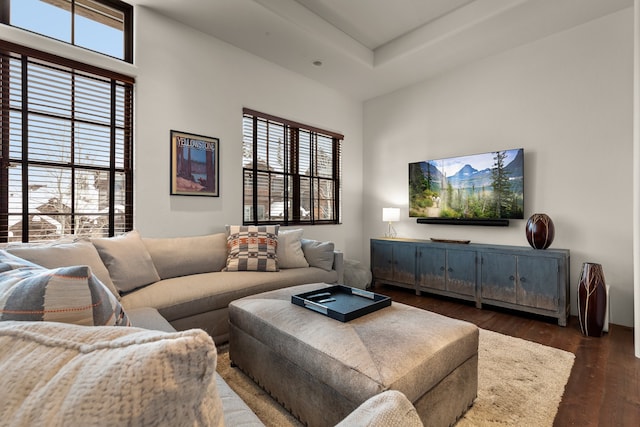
[[391, 232]]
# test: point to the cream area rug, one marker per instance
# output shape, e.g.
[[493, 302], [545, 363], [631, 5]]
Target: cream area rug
[[520, 383]]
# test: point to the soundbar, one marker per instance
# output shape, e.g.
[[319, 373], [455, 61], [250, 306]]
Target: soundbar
[[499, 222]]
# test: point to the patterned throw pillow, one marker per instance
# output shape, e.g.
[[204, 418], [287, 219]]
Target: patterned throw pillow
[[252, 248], [72, 294]]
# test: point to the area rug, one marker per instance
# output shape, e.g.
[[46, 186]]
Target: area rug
[[520, 383]]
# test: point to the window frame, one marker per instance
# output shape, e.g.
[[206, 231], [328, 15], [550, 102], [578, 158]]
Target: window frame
[[10, 51], [125, 8], [291, 176]]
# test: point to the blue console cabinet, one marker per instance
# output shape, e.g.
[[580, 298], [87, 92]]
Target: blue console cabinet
[[514, 277]]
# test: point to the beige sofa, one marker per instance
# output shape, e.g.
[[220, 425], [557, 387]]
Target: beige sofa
[[183, 278], [148, 374]]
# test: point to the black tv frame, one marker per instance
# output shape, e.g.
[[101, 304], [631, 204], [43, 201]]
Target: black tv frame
[[495, 222]]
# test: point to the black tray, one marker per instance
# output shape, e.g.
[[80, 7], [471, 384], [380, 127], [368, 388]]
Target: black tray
[[341, 302]]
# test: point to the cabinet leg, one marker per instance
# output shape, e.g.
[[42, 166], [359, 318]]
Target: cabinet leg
[[478, 304], [562, 321]]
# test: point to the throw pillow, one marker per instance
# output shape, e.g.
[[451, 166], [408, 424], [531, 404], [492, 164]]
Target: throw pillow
[[252, 248], [128, 261], [69, 375], [181, 256], [318, 254], [72, 294], [66, 254], [391, 408], [289, 250]]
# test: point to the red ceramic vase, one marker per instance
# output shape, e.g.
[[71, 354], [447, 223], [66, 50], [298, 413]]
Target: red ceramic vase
[[540, 231], [592, 299]]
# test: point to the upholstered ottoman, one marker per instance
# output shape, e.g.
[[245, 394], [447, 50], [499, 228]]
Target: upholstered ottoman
[[321, 369]]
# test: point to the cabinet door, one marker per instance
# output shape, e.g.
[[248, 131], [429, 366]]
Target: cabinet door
[[431, 267], [498, 277], [404, 263], [538, 282], [382, 260], [461, 272]]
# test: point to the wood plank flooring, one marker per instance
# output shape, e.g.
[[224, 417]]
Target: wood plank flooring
[[604, 386]]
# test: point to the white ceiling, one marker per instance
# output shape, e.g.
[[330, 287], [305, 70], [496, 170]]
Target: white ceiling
[[371, 47]]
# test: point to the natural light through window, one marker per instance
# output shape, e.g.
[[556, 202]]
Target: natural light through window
[[86, 23], [66, 162]]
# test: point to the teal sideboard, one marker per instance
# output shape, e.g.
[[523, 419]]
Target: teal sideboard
[[514, 277]]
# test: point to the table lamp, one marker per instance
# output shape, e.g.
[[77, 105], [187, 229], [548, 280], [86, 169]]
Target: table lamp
[[390, 215]]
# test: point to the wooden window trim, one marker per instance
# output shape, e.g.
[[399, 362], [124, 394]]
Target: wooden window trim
[[28, 57], [100, 14], [291, 174]]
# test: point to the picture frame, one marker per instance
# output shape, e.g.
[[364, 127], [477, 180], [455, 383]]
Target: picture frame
[[195, 161]]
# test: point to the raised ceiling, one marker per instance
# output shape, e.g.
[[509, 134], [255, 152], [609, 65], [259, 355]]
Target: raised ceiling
[[371, 47]]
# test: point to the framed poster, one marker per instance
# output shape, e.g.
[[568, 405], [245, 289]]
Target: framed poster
[[194, 165]]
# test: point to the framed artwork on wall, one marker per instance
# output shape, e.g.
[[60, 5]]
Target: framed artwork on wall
[[194, 165]]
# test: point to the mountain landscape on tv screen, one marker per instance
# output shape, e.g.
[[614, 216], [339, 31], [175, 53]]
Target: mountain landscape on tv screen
[[489, 185]]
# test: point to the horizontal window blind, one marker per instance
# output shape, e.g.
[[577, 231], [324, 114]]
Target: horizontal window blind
[[291, 172], [66, 149]]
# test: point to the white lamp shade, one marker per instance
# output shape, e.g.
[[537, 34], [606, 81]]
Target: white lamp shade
[[391, 214]]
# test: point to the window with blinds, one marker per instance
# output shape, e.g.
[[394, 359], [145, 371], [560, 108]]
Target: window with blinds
[[66, 161], [291, 172]]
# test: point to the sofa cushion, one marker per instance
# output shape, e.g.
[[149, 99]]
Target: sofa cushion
[[149, 318], [188, 296], [289, 250], [252, 248], [181, 256], [236, 411], [106, 376], [128, 261], [318, 254], [72, 294], [66, 254]]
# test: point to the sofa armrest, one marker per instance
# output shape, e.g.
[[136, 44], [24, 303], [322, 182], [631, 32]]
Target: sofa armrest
[[338, 266], [390, 408]]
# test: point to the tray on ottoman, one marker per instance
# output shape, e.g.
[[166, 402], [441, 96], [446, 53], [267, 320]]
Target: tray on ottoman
[[341, 302]]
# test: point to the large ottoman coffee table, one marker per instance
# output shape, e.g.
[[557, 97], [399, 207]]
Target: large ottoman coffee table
[[321, 369]]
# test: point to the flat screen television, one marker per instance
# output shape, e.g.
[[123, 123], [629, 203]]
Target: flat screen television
[[478, 188]]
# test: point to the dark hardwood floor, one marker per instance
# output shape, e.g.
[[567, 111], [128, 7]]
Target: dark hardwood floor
[[604, 386]]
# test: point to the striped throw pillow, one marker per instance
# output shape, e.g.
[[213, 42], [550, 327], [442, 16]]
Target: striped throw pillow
[[72, 294]]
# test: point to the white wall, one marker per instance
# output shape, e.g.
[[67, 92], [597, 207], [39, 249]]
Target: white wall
[[568, 101], [188, 81], [191, 82]]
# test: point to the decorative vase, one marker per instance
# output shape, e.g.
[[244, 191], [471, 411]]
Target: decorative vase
[[592, 299], [540, 231]]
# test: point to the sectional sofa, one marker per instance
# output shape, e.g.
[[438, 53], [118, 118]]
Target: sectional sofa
[[184, 278], [63, 304]]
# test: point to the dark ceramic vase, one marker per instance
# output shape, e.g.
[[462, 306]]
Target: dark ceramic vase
[[540, 231], [592, 299]]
